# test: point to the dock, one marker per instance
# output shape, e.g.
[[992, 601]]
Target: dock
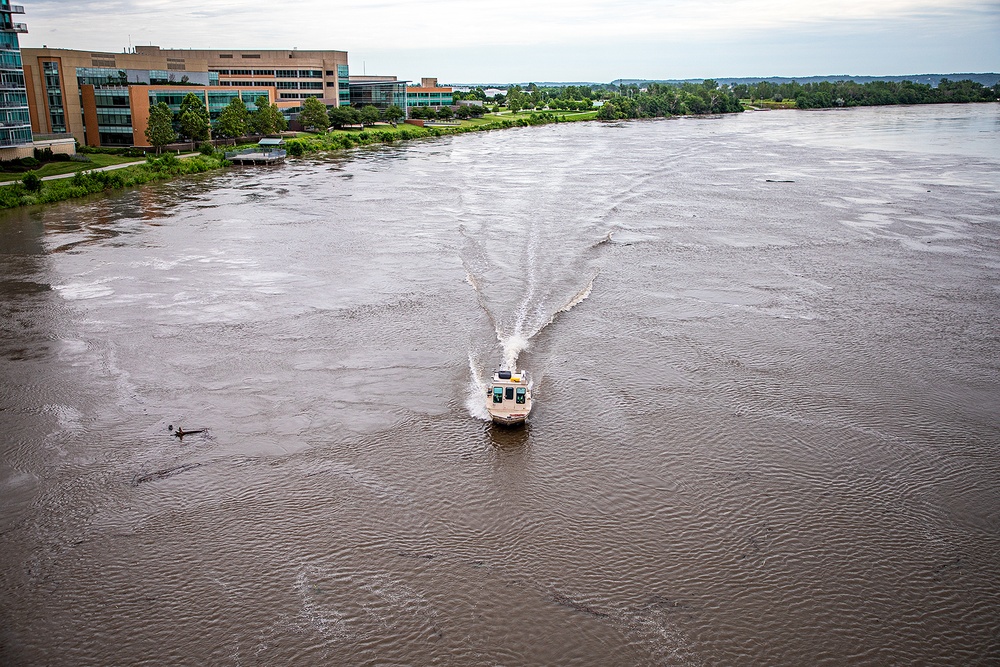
[[256, 156]]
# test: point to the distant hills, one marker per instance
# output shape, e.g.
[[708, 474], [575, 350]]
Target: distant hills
[[986, 79]]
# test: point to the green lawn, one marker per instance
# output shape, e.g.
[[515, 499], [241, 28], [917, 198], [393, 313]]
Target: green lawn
[[55, 168]]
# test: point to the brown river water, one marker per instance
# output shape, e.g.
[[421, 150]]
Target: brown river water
[[766, 364]]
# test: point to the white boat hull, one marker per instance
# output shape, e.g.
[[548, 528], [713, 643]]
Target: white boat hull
[[508, 398], [509, 420]]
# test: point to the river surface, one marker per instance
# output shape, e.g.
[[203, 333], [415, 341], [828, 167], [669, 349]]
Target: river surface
[[765, 353]]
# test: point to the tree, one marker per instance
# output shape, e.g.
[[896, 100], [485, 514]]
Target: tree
[[193, 118], [159, 128], [234, 121], [341, 116], [369, 115], [314, 115], [445, 113], [516, 99], [464, 112], [32, 183], [267, 119], [608, 111], [394, 114]]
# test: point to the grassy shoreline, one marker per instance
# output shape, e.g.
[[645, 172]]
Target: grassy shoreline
[[95, 160], [87, 182]]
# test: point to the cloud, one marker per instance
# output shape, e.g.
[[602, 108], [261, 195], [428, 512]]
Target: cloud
[[622, 31]]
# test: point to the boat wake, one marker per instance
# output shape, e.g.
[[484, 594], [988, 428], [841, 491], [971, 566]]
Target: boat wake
[[516, 342], [521, 296]]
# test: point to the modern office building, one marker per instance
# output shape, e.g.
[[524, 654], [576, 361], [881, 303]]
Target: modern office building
[[429, 94], [119, 115], [103, 99], [15, 123], [294, 74], [379, 91]]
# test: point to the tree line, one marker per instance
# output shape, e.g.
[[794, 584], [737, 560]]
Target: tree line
[[828, 94], [621, 101], [192, 120]]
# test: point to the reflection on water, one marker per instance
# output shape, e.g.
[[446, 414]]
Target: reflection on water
[[763, 360], [509, 439]]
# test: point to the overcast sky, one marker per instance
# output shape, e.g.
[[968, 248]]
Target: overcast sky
[[555, 40]]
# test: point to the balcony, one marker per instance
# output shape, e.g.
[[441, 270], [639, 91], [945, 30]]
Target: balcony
[[14, 27], [12, 9]]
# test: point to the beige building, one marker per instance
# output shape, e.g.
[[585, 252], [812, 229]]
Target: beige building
[[87, 94]]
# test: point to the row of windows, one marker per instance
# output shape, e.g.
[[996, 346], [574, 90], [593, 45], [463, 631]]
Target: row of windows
[[15, 136], [108, 98], [499, 393], [12, 79], [299, 96], [13, 99], [283, 85], [114, 111], [113, 138], [113, 120], [15, 117], [281, 73], [8, 40], [101, 76], [10, 59]]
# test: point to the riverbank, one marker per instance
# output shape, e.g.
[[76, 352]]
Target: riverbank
[[386, 134], [89, 182]]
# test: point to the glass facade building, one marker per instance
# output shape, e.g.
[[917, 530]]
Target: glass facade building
[[424, 97], [114, 116], [15, 119], [344, 85], [380, 94]]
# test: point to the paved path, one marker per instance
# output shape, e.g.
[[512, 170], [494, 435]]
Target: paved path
[[110, 167]]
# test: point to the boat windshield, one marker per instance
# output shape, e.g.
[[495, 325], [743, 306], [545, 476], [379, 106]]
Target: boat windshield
[[509, 393], [521, 391], [498, 394]]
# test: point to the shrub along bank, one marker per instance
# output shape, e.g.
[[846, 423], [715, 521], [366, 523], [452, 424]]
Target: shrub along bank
[[89, 182], [339, 140]]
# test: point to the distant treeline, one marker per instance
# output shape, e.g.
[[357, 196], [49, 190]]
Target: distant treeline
[[828, 94], [651, 99], [661, 99], [656, 100]]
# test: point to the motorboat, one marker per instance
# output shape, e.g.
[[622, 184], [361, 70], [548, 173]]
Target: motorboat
[[508, 397]]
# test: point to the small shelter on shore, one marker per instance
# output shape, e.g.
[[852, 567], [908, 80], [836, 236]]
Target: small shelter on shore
[[269, 151]]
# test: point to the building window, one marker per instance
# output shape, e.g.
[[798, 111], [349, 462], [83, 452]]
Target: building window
[[251, 55], [225, 55]]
